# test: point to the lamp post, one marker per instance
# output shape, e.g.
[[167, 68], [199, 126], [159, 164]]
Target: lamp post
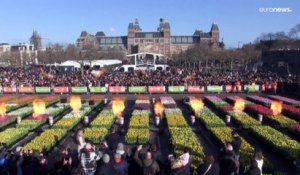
[[86, 119], [193, 119], [50, 120], [228, 119], [19, 119], [260, 117]]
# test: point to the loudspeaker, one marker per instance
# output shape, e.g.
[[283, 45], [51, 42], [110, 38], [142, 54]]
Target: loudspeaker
[[91, 102], [63, 100]]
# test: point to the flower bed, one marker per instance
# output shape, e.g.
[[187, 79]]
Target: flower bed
[[12, 116], [175, 118], [216, 101], [105, 119], [137, 136], [17, 103], [233, 99], [46, 140], [243, 119], [295, 129], [138, 132], [6, 99], [260, 100], [286, 100], [281, 143], [291, 111], [94, 134], [184, 137], [11, 135], [209, 119], [279, 120], [223, 135]]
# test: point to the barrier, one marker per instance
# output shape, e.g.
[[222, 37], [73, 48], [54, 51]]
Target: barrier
[[98, 89], [251, 88], [176, 89], [79, 90], [117, 89], [137, 89], [9, 89], [42, 90], [214, 88], [156, 89], [61, 89], [28, 90], [195, 89]]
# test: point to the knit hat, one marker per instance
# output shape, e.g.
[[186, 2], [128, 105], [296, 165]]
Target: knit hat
[[106, 158], [120, 149]]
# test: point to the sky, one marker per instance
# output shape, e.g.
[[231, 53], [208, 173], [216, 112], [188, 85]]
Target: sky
[[61, 21]]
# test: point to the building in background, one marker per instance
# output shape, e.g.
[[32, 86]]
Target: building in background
[[23, 54], [160, 41]]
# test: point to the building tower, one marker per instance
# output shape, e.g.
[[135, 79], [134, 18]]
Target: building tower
[[132, 29], [214, 36]]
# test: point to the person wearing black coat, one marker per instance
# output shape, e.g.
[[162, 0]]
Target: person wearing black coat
[[254, 170], [105, 167], [113, 139], [208, 167], [228, 163]]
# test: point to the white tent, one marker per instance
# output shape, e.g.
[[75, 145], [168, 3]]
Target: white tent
[[75, 64], [102, 63]]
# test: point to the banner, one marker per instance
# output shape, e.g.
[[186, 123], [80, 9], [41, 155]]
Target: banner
[[98, 89], [26, 89], [117, 89], [251, 88], [214, 88], [79, 89], [9, 89], [156, 89], [228, 88], [137, 89], [176, 89], [61, 89], [42, 90], [195, 89]]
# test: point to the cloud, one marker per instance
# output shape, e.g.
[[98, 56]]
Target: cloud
[[112, 29]]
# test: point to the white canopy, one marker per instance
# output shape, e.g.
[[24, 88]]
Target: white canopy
[[75, 64], [102, 63]]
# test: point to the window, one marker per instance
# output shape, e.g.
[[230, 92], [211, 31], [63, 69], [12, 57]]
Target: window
[[159, 68], [122, 69]]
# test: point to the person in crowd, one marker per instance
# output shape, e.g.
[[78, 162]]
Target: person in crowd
[[297, 163], [80, 140], [120, 166], [147, 164], [228, 163], [121, 150], [254, 169], [236, 145], [63, 166], [113, 139], [88, 157], [105, 167], [259, 158], [208, 167]]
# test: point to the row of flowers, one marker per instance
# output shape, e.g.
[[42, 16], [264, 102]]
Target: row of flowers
[[233, 99], [295, 128], [6, 99], [11, 135], [279, 120], [20, 102], [288, 147], [50, 137], [209, 119], [46, 140], [291, 111], [12, 116], [286, 100], [32, 123], [223, 135], [215, 100], [95, 134], [182, 135], [104, 119], [260, 100], [138, 132]]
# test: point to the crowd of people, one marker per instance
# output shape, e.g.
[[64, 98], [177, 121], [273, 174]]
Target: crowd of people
[[46, 76], [112, 157]]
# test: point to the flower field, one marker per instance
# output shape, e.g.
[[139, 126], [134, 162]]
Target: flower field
[[285, 100]]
